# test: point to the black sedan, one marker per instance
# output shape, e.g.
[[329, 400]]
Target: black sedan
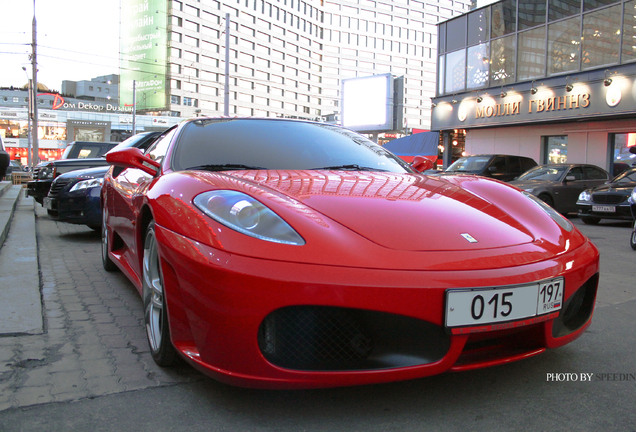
[[74, 196], [559, 185], [609, 201]]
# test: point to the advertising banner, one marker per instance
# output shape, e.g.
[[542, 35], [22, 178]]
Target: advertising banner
[[143, 53]]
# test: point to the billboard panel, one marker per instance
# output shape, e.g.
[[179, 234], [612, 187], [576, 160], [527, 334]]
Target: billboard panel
[[367, 103], [143, 53]]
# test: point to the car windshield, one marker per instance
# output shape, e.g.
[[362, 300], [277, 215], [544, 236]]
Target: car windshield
[[548, 173], [469, 164], [625, 177], [233, 144], [130, 142]]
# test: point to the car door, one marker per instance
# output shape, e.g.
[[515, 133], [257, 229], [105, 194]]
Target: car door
[[127, 197], [570, 189]]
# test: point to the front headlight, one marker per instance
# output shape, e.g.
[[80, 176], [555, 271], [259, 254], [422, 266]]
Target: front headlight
[[246, 215], [555, 215], [85, 184], [46, 173], [585, 196]]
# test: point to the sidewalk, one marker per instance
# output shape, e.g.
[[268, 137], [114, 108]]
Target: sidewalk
[[20, 296], [68, 329]]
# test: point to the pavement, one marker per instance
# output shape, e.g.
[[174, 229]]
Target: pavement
[[67, 329]]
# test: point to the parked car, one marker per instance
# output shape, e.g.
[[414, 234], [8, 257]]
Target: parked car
[[74, 197], [632, 202], [4, 160], [293, 254], [77, 155], [500, 167], [609, 201], [559, 185]]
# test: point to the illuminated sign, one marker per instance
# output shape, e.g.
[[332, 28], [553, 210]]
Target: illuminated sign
[[143, 53], [367, 103]]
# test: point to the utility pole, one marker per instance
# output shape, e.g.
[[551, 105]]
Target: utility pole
[[226, 100], [29, 117], [134, 125], [35, 159]]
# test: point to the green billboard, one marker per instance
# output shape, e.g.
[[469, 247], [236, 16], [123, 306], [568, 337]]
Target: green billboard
[[143, 53]]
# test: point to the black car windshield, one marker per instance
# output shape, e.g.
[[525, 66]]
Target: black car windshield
[[628, 176], [548, 173], [232, 144], [469, 164]]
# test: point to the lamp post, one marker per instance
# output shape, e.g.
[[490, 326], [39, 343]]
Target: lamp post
[[29, 117]]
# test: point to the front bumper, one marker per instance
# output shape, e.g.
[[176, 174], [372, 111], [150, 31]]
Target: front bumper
[[611, 211], [80, 208], [38, 189], [270, 324]]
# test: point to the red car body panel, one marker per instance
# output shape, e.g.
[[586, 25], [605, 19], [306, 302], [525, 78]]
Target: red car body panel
[[380, 242]]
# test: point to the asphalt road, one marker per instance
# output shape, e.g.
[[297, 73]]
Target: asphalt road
[[589, 385]]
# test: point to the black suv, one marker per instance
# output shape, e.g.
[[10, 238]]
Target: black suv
[[78, 155], [497, 166]]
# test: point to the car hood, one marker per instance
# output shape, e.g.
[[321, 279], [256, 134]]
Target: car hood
[[623, 188], [86, 173], [532, 184], [408, 212]]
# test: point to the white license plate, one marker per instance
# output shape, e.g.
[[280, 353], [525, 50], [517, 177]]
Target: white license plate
[[605, 209], [47, 203], [479, 306]]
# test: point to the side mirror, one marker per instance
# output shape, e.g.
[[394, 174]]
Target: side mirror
[[421, 163], [570, 178], [133, 158]]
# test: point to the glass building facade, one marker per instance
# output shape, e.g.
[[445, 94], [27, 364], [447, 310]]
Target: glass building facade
[[523, 40]]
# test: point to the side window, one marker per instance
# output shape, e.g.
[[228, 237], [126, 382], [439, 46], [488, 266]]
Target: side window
[[158, 150], [514, 165], [577, 172], [498, 165], [527, 164], [595, 174]]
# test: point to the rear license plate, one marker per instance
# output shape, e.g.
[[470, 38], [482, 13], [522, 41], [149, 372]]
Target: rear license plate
[[479, 306], [604, 209], [47, 203]]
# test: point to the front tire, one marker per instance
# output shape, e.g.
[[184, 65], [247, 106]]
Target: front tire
[[547, 199], [107, 263], [632, 239], [155, 310]]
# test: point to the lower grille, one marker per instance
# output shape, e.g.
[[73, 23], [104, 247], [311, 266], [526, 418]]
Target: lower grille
[[331, 338], [58, 185], [608, 199]]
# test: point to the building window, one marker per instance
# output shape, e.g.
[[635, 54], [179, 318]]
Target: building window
[[90, 88], [478, 63], [601, 37], [455, 71], [504, 17], [564, 42], [531, 47], [503, 59], [563, 9], [532, 13], [555, 149], [188, 101], [175, 100]]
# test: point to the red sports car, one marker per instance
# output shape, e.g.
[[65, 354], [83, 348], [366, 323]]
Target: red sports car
[[276, 253]]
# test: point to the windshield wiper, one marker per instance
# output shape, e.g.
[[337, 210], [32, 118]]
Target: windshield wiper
[[225, 167], [350, 167]]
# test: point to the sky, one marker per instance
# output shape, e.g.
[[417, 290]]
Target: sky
[[76, 40]]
